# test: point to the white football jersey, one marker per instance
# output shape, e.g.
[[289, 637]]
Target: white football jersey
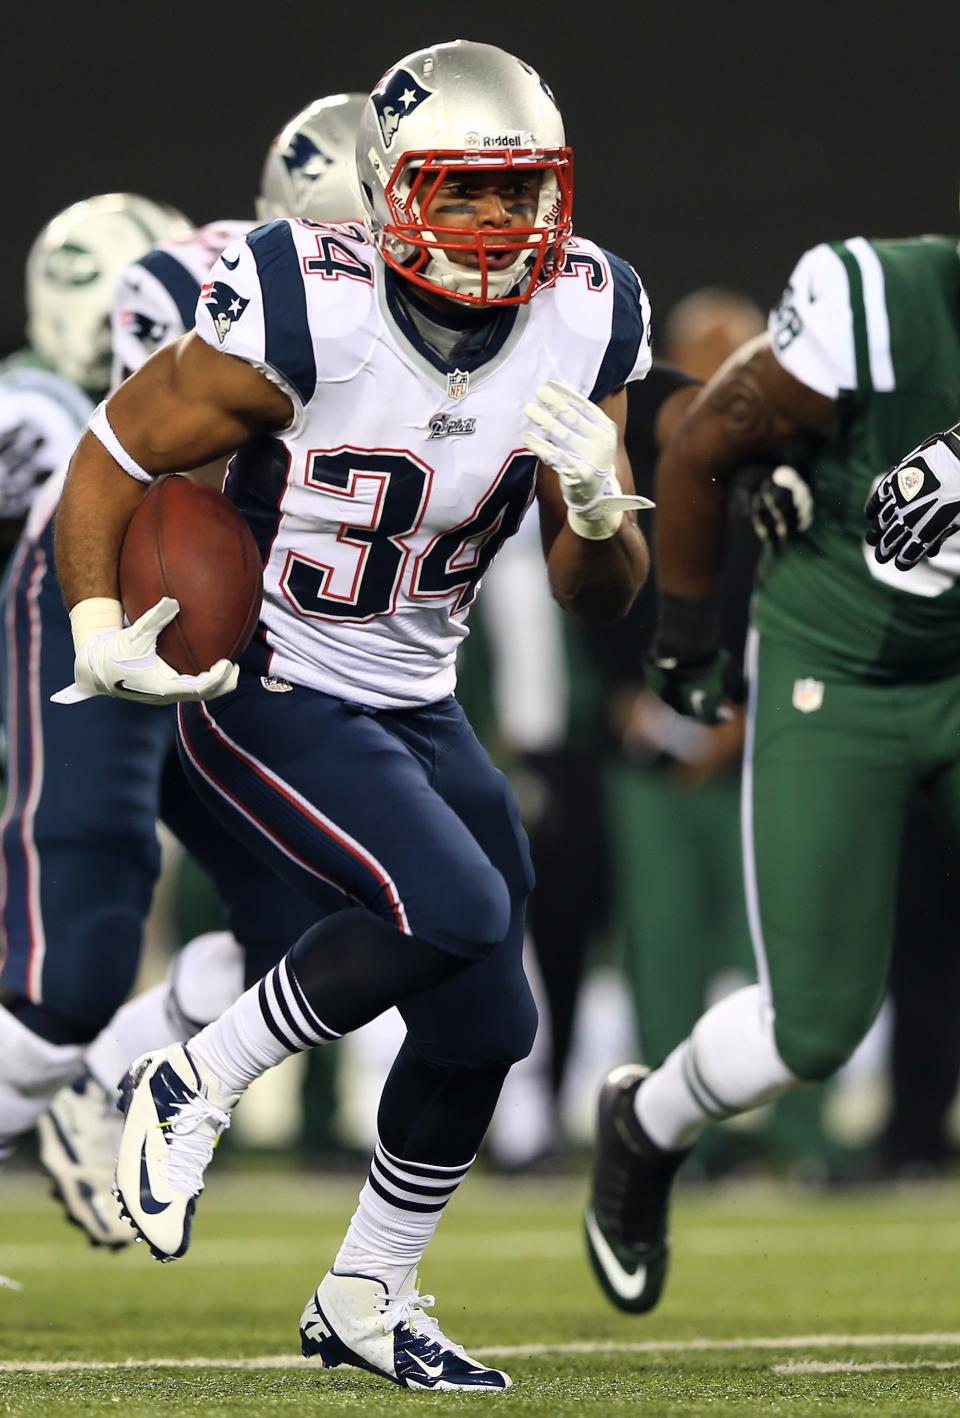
[[381, 505], [156, 297], [42, 415], [154, 303]]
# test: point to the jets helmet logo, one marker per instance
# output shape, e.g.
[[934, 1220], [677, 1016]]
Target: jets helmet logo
[[399, 97], [224, 305], [306, 163]]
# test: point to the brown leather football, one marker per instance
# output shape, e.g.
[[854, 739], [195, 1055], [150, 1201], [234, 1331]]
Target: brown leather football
[[188, 541]]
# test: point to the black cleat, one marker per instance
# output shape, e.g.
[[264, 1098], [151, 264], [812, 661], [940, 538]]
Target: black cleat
[[626, 1218]]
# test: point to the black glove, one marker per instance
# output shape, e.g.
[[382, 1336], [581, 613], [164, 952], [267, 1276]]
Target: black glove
[[688, 668], [781, 507], [777, 496], [916, 506]]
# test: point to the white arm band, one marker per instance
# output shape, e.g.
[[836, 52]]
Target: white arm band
[[99, 426]]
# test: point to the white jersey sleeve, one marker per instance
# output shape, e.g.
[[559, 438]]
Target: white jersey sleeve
[[155, 299], [253, 305], [628, 355], [145, 316], [812, 328]]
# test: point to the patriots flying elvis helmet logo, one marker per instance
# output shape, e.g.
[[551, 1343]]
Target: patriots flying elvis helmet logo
[[224, 305], [401, 94], [306, 163]]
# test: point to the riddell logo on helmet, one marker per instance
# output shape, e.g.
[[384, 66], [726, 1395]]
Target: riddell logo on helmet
[[500, 140]]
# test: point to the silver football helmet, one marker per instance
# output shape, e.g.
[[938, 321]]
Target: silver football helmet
[[455, 108], [72, 268], [311, 168]]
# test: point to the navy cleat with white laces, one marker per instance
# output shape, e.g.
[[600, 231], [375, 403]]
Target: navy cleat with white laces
[[351, 1319], [175, 1111]]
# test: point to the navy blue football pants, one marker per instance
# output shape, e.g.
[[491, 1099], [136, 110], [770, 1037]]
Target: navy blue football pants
[[404, 813], [78, 847]]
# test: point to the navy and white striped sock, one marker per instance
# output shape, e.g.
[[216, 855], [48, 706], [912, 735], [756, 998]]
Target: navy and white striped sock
[[268, 1023], [400, 1207]]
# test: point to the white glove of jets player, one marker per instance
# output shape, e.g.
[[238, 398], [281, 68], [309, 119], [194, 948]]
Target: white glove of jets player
[[578, 440], [123, 662], [916, 505]]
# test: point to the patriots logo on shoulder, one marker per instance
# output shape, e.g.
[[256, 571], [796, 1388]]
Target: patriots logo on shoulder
[[306, 163], [401, 94], [224, 305], [150, 333]]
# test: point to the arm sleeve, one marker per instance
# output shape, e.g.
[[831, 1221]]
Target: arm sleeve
[[253, 305], [812, 328], [627, 356]]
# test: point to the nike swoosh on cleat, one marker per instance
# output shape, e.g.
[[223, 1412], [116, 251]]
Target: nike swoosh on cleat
[[432, 1371], [230, 265], [150, 1206], [628, 1284]]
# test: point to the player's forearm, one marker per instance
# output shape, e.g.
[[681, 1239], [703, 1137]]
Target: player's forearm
[[98, 500], [748, 409], [598, 581], [691, 519]]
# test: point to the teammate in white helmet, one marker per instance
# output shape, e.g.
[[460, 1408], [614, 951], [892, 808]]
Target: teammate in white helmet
[[79, 846], [399, 396]]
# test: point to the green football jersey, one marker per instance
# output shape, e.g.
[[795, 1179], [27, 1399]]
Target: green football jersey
[[875, 326]]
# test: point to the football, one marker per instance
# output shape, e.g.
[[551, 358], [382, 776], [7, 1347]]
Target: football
[[188, 541]]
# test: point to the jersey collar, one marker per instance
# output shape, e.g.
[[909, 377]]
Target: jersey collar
[[480, 363]]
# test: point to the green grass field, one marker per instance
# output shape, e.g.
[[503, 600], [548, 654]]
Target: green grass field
[[780, 1303]]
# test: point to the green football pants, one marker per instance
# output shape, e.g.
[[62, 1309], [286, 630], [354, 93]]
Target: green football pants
[[829, 771]]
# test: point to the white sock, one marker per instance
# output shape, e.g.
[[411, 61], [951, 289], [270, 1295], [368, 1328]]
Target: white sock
[[728, 1065], [400, 1207], [267, 1024], [31, 1071], [203, 980]]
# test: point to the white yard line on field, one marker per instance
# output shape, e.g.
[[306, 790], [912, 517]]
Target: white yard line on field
[[520, 1351], [821, 1366]]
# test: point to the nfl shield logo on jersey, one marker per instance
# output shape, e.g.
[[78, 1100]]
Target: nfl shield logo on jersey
[[224, 305], [807, 695], [399, 97], [458, 384]]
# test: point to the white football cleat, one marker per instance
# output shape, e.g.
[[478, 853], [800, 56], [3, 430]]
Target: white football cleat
[[175, 1113], [351, 1319], [79, 1137]]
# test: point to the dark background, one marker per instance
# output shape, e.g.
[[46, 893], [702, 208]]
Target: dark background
[[714, 141]]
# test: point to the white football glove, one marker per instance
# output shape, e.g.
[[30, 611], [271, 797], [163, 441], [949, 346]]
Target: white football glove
[[917, 504], [124, 662], [578, 440]]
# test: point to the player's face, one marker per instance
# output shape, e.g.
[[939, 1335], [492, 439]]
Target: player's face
[[491, 202]]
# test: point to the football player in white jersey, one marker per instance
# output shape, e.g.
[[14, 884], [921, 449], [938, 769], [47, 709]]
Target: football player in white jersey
[[399, 394], [79, 846]]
